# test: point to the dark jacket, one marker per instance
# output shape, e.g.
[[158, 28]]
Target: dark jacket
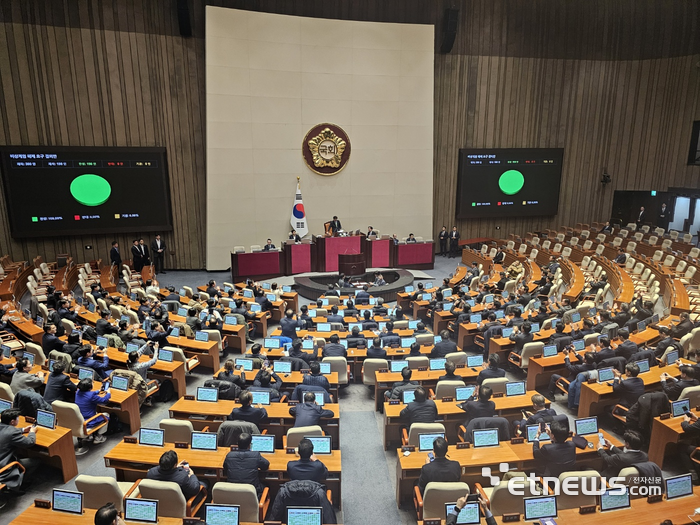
[[249, 413], [188, 484], [616, 459], [443, 348], [490, 373], [576, 369], [305, 469], [242, 466], [289, 327], [478, 408], [334, 350], [556, 457], [521, 339], [440, 469], [629, 390], [57, 385], [415, 412], [376, 353], [673, 388], [627, 349], [309, 414], [302, 493]]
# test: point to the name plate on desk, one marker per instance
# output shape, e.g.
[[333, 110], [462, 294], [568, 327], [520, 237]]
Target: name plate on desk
[[655, 498], [181, 444], [73, 376], [130, 439], [291, 450], [383, 370], [394, 401], [448, 399], [592, 380], [272, 523], [188, 397], [498, 394], [42, 503], [462, 445], [461, 366], [587, 509], [30, 420], [121, 349], [408, 448], [234, 447], [666, 415], [432, 522], [292, 403], [422, 368], [191, 521], [507, 518], [517, 440]]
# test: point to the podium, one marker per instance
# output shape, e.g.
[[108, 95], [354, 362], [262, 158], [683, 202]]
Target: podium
[[378, 253], [351, 263], [297, 257], [258, 265], [328, 249]]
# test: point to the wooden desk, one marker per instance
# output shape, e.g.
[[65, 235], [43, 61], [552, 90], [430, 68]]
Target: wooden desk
[[290, 380], [207, 353], [450, 415], [131, 462], [37, 516], [7, 285], [236, 336], [161, 370], [664, 433], [23, 325], [54, 447], [278, 422], [473, 460]]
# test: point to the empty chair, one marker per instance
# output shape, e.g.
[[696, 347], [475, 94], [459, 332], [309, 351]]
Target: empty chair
[[694, 253], [425, 339], [638, 236], [339, 365], [252, 509], [600, 249], [560, 237], [546, 244], [631, 247], [689, 273], [624, 233], [418, 362], [585, 262], [588, 244], [535, 241], [658, 255], [215, 335], [296, 434], [510, 245], [36, 351], [255, 248], [239, 249], [100, 490], [669, 260], [600, 237], [172, 503], [484, 248], [566, 252], [68, 416], [566, 501], [680, 268], [653, 239], [691, 393], [666, 244], [68, 325], [522, 249], [493, 252], [178, 355], [6, 392], [431, 504], [413, 435], [501, 501], [573, 241], [629, 264], [659, 231], [458, 358], [523, 360], [645, 228], [176, 430], [617, 242], [557, 248], [497, 384], [687, 237]]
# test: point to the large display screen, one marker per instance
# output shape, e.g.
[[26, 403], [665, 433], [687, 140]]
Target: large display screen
[[51, 191], [508, 182]]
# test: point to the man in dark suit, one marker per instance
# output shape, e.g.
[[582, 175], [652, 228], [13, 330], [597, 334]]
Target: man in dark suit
[[450, 375], [294, 236], [559, 455], [608, 229], [444, 347], [103, 326], [289, 325], [491, 370], [371, 232], [664, 217], [621, 257], [461, 502], [309, 413], [333, 317], [334, 348], [622, 316], [454, 242], [663, 345], [136, 257], [405, 384], [616, 459], [158, 251], [243, 465], [641, 217], [145, 254], [420, 410], [629, 389], [673, 387], [308, 465], [606, 351], [12, 438], [481, 407], [521, 336], [269, 246], [335, 225], [376, 351], [683, 327], [626, 348], [169, 469], [247, 412], [583, 364], [439, 468], [296, 351], [443, 236], [500, 255], [362, 296], [114, 257], [540, 413]]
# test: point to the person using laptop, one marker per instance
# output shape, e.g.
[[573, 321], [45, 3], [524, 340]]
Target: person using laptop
[[481, 407], [362, 296], [540, 414], [461, 502], [444, 347], [247, 412], [356, 338], [316, 378], [308, 466], [630, 389], [684, 326], [450, 375], [440, 469], [626, 348], [244, 465], [169, 469], [376, 351], [86, 360], [263, 382], [309, 413], [333, 349], [58, 384], [414, 350], [108, 515], [672, 386], [618, 458], [420, 329], [388, 330], [405, 384], [87, 400], [583, 364], [559, 455], [296, 351], [521, 336], [558, 334], [22, 379], [420, 410], [257, 356], [490, 370]]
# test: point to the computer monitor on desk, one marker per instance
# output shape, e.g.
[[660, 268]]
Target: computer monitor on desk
[[220, 514]]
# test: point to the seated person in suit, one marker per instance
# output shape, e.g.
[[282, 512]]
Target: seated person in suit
[[362, 296], [169, 469], [244, 465], [88, 400], [316, 378], [672, 386], [289, 325], [378, 279], [411, 239], [684, 326], [415, 350], [50, 340], [103, 326], [440, 468], [296, 351], [247, 412], [367, 322], [450, 375], [376, 351], [388, 330], [444, 347], [356, 338], [521, 336], [213, 290], [481, 407], [605, 352], [13, 439], [405, 384], [517, 318], [540, 413], [192, 320], [227, 374], [621, 257], [587, 329], [420, 328], [331, 292], [558, 333], [379, 308], [419, 291], [294, 236], [308, 465], [267, 381], [559, 455], [305, 321], [500, 255], [663, 345], [583, 364], [334, 348], [350, 308], [371, 232], [626, 348], [309, 413], [58, 385], [540, 317], [22, 379], [616, 459], [86, 360], [420, 410], [269, 246], [490, 370], [333, 316]]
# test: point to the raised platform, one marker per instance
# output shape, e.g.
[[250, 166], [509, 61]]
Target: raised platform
[[313, 287]]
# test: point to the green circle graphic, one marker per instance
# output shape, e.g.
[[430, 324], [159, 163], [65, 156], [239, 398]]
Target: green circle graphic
[[511, 182], [90, 190]]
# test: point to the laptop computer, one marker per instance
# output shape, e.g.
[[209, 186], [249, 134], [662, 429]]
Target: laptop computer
[[202, 337], [534, 328], [463, 393], [39, 321], [323, 327], [210, 395], [678, 408], [611, 500], [485, 437], [204, 440], [575, 318], [287, 289], [151, 436], [579, 345], [304, 515], [325, 368], [397, 366], [500, 314], [29, 357], [120, 383], [248, 294], [426, 297], [643, 365], [67, 501], [261, 397], [516, 388], [282, 367], [307, 344], [671, 357], [487, 299], [219, 514], [408, 396], [165, 355], [532, 433], [46, 419], [255, 307], [408, 289], [182, 312], [406, 342], [437, 364], [245, 363], [231, 319], [86, 373], [263, 443], [132, 347], [320, 401], [102, 341], [425, 441], [469, 515], [413, 325], [322, 444], [549, 351], [540, 507], [475, 318], [4, 404], [474, 361], [586, 426], [272, 343], [141, 510], [679, 486], [606, 374]]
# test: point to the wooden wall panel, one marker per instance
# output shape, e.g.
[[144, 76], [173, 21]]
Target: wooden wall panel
[[615, 83]]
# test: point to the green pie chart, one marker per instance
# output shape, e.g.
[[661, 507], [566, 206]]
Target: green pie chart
[[90, 189], [511, 182]]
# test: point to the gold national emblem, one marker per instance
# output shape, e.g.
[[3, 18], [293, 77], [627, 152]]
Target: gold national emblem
[[326, 149]]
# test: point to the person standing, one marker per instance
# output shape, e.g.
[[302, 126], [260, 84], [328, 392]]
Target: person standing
[[115, 257], [158, 250], [641, 217], [443, 236], [136, 257], [145, 254], [664, 217], [454, 242]]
